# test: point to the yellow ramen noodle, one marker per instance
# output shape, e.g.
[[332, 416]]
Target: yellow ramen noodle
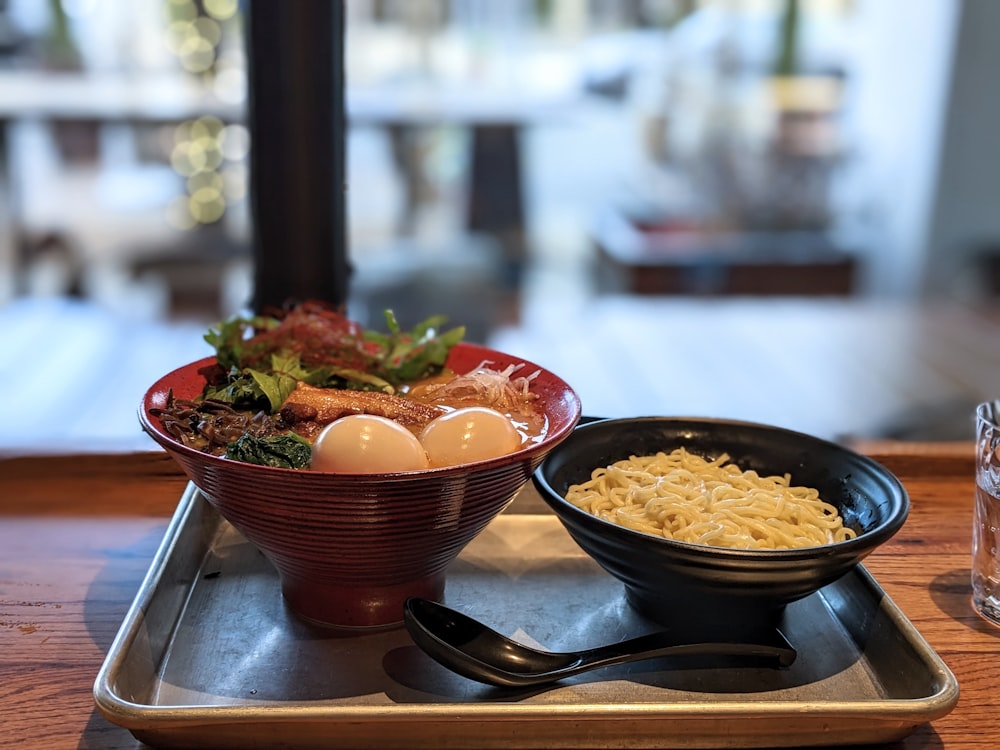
[[685, 497]]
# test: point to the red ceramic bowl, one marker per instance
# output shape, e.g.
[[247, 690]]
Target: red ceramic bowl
[[351, 548]]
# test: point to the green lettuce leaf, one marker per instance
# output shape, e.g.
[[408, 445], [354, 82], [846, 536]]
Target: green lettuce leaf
[[397, 357], [231, 338], [414, 354], [278, 384]]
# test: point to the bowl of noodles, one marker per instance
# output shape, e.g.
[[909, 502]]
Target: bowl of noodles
[[714, 523], [360, 463]]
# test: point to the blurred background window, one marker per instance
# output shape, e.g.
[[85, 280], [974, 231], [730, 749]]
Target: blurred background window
[[510, 164]]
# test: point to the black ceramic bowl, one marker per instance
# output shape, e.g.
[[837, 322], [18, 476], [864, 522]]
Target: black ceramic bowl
[[679, 583]]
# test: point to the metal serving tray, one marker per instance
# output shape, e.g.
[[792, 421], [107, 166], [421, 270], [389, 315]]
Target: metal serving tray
[[209, 657]]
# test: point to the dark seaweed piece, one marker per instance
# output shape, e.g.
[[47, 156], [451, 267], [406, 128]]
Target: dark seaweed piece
[[282, 451]]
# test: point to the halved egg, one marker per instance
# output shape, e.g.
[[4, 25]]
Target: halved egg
[[473, 433], [367, 444]]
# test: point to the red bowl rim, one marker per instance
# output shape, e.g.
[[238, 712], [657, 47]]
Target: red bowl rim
[[563, 400]]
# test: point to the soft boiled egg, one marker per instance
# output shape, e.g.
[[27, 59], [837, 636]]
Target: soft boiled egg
[[473, 433], [367, 444]]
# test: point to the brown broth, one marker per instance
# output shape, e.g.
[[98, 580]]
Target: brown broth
[[530, 421]]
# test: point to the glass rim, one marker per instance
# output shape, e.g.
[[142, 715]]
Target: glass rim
[[989, 411]]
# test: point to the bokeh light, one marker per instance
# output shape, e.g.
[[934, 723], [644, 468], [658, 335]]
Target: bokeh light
[[235, 142], [207, 204], [205, 151], [210, 155], [221, 10]]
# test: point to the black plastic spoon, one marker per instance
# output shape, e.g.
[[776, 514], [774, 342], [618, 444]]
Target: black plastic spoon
[[475, 651]]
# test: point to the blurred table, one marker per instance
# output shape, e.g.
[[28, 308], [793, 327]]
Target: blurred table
[[168, 97], [659, 258], [78, 533], [494, 118], [108, 97], [839, 368], [836, 368]]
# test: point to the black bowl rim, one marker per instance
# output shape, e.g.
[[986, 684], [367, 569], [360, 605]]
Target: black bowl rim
[[525, 453], [857, 546]]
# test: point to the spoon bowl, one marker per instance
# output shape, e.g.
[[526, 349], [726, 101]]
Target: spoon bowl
[[475, 651]]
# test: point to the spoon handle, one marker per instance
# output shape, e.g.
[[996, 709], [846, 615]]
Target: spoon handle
[[770, 646], [770, 651]]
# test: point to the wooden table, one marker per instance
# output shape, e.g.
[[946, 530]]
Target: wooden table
[[78, 533]]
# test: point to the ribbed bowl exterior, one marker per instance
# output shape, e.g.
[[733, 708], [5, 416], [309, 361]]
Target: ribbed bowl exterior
[[682, 584], [356, 529], [350, 548]]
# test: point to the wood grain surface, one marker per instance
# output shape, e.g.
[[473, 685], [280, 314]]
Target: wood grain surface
[[77, 535]]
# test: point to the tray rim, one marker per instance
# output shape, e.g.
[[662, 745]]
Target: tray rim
[[901, 716]]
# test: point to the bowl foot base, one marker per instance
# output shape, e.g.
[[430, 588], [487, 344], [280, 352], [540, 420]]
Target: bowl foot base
[[703, 618], [355, 607]]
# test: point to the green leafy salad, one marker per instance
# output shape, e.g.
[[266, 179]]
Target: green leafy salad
[[261, 359]]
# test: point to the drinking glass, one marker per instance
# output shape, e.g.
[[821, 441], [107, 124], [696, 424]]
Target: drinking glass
[[986, 520]]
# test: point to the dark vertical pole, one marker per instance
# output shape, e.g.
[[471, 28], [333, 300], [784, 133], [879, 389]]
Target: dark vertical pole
[[298, 129]]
